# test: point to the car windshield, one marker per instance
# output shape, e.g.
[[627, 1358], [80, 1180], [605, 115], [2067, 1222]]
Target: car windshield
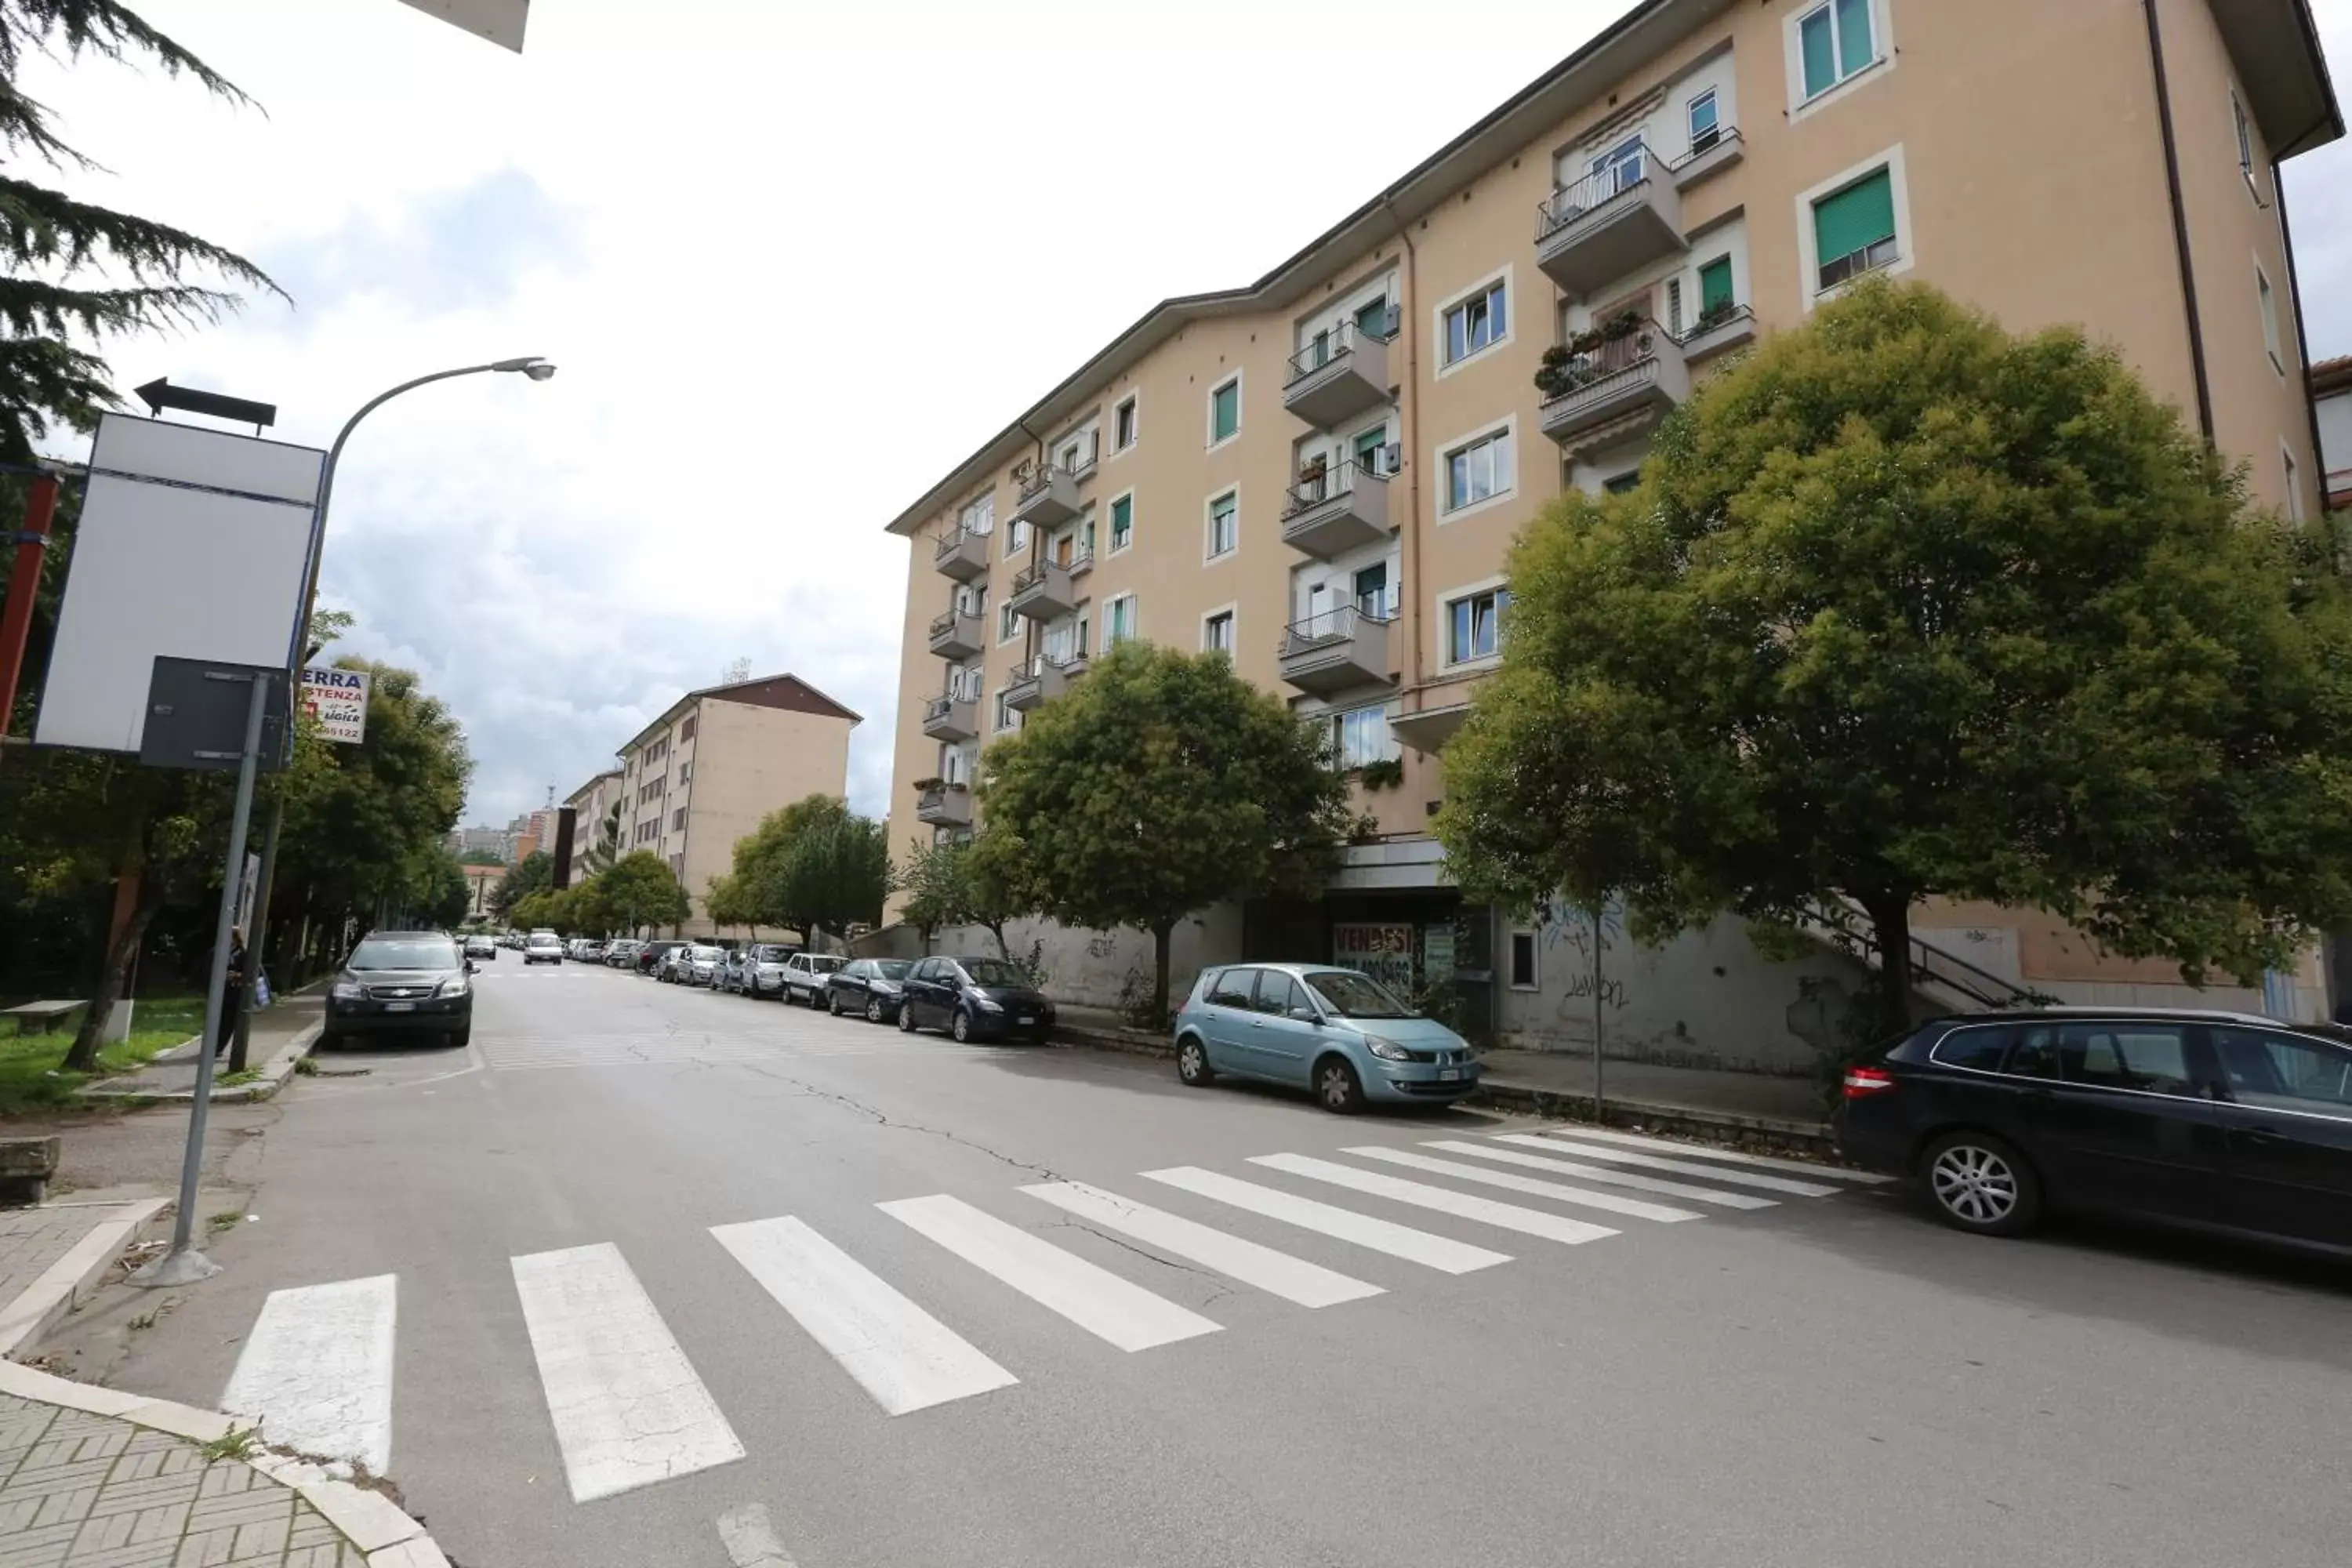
[[772, 954], [416, 953], [1354, 995], [893, 968], [704, 954], [993, 972]]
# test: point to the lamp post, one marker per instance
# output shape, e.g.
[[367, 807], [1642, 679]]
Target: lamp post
[[530, 366]]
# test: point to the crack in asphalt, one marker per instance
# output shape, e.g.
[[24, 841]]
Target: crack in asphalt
[[881, 1118]]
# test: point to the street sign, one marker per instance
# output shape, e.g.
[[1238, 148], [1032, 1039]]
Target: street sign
[[195, 715], [337, 699], [160, 394]]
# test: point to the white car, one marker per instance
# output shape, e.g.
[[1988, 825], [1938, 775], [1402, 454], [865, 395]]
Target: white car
[[805, 975], [542, 947]]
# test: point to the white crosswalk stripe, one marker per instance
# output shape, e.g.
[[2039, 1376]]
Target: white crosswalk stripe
[[1611, 1201], [628, 1407], [316, 1371], [1681, 1167], [1439, 1252], [1292, 1278], [1599, 1174], [1421, 1195], [1731, 1156], [906, 1359], [1095, 1298]]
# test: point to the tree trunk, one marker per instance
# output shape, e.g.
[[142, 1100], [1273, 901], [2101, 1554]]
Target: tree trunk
[[1161, 940], [1003, 948], [82, 1055], [1890, 923]]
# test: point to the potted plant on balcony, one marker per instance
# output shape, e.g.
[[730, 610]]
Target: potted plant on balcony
[[1311, 474], [1566, 366], [1714, 316]]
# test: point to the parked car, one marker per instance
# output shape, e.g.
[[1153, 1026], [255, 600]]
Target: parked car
[[698, 964], [542, 947], [652, 955], [871, 987], [482, 947], [972, 998], [1310, 1025], [404, 983], [621, 952], [759, 970], [2220, 1121], [805, 975]]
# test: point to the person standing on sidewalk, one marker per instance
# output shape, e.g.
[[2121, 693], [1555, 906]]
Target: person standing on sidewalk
[[233, 998]]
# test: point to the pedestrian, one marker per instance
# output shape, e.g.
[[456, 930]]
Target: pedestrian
[[233, 996]]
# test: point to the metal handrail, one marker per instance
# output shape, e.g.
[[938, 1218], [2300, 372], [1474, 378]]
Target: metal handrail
[[1724, 135], [1327, 627], [1073, 660], [1701, 326], [951, 538], [939, 707], [945, 622], [1929, 962], [1335, 479], [1616, 357], [937, 794], [1570, 202], [1326, 348], [1039, 477]]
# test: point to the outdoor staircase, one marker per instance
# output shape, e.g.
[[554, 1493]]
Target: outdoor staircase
[[1941, 979]]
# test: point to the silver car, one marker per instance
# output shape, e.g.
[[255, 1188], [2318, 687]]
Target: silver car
[[700, 964]]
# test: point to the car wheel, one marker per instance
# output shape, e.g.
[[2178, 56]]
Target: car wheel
[[874, 1009], [1980, 1183], [1192, 1063], [906, 1019], [960, 1026], [1337, 1086], [832, 1005], [460, 1038]]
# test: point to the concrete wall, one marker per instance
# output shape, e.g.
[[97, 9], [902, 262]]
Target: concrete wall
[[1085, 968], [2043, 953]]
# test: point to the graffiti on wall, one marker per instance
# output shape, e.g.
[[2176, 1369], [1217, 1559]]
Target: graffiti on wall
[[1572, 931]]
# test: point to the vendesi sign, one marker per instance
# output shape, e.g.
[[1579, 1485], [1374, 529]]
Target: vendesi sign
[[337, 699]]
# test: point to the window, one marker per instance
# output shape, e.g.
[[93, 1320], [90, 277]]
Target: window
[[1372, 585], [1232, 987], [1279, 994], [1523, 961], [1674, 306], [2269, 301], [1478, 322], [1479, 470], [1372, 318], [1119, 621], [1853, 230], [1016, 539], [2245, 137], [1361, 737], [685, 772], [678, 820], [971, 598], [1715, 287], [1980, 1048], [979, 516], [1007, 716], [678, 865], [1123, 426], [963, 683], [1705, 122], [1623, 484], [1474, 626], [1217, 633], [2152, 1058], [2294, 475], [2284, 1072], [1369, 445], [1836, 42], [1224, 524], [686, 733], [1076, 454], [1122, 523], [1008, 622], [1225, 411]]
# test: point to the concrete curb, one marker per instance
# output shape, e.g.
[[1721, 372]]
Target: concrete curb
[[72, 1278], [274, 1073], [378, 1530]]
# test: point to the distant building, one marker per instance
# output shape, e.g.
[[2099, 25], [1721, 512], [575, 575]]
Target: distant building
[[2331, 396], [591, 804], [467, 841], [481, 886]]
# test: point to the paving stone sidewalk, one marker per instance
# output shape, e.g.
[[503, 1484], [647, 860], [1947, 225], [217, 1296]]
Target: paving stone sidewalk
[[94, 1477], [55, 1254]]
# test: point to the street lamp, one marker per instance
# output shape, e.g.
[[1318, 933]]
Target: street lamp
[[532, 366]]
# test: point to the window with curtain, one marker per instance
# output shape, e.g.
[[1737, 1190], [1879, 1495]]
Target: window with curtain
[[1225, 411], [1122, 523], [1119, 621], [1853, 230], [1362, 737], [1836, 43]]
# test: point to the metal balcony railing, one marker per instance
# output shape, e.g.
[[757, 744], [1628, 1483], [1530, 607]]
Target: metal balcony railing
[[1316, 486], [1624, 359], [1327, 346], [1332, 626], [1034, 478], [1598, 189], [949, 540], [942, 623]]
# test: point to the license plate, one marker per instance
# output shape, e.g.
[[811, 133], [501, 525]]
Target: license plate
[[400, 1006], [1449, 1075], [1026, 1018]]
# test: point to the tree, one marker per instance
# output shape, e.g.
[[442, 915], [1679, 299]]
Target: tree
[[481, 857], [1162, 783], [763, 855], [931, 876], [534, 873], [835, 874], [443, 898], [725, 903], [640, 891], [1903, 608]]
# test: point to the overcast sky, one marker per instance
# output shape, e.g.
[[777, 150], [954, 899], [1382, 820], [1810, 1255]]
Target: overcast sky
[[794, 260]]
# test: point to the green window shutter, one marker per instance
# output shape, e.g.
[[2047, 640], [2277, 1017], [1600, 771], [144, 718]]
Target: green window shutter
[[1714, 283], [1821, 52], [1373, 320], [1855, 218], [1854, 51], [1225, 411]]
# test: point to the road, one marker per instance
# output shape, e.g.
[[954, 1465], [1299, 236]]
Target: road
[[653, 1275]]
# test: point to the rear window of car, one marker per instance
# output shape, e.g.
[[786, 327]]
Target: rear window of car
[[1979, 1048], [825, 965], [1232, 988]]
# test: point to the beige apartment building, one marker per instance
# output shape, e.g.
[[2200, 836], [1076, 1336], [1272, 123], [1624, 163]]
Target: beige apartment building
[[703, 775], [591, 804], [1321, 472]]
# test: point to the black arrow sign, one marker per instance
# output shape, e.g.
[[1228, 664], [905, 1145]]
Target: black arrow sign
[[159, 394]]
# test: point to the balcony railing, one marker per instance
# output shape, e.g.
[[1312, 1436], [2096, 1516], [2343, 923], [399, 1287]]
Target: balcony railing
[[949, 716], [1041, 678], [1042, 591], [1725, 327], [961, 554], [941, 804], [1341, 372], [1641, 370], [1333, 508], [955, 635], [1048, 495], [1338, 649], [1618, 218], [1717, 147]]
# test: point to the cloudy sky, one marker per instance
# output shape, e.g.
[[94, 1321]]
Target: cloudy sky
[[794, 260]]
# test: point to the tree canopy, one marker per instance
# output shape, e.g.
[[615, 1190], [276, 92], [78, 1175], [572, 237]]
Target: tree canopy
[[534, 873], [973, 881], [481, 857], [1162, 783], [637, 889], [812, 864], [1906, 606]]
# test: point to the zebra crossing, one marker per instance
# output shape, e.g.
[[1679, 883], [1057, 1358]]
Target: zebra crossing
[[626, 1407]]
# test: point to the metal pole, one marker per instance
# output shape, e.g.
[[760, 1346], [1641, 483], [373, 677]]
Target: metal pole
[[183, 1264], [1599, 1111]]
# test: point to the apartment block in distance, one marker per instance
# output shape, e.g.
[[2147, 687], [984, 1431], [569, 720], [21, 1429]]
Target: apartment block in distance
[[592, 803], [1321, 472], [703, 775]]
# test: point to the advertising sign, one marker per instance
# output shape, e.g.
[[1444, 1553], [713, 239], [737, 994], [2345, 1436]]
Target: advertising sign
[[1382, 950], [338, 699]]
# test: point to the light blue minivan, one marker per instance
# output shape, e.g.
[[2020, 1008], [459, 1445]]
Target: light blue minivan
[[1336, 1031]]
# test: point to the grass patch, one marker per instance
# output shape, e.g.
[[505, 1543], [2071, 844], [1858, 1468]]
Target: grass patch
[[31, 1074], [241, 1076], [307, 1066], [236, 1443], [227, 1220]]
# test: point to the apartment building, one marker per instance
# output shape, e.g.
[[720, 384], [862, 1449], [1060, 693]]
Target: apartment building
[[1321, 472], [591, 804], [2331, 395], [703, 775]]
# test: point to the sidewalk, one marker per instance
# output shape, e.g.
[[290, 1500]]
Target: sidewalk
[[281, 1036], [90, 1477], [53, 1256]]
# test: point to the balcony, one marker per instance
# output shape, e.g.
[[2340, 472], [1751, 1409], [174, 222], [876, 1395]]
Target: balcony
[[1041, 679], [961, 555], [1343, 373], [1718, 332], [1612, 391], [942, 805], [1043, 591], [1711, 154], [952, 718], [955, 635], [1336, 650], [1048, 497], [1608, 224], [1335, 509]]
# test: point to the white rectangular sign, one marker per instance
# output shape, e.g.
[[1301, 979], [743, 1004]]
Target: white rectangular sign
[[337, 699], [192, 544]]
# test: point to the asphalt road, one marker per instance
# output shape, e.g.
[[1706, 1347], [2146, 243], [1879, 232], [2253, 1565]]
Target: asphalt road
[[1829, 1380]]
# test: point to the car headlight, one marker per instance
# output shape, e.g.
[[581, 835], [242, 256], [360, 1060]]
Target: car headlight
[[1387, 1050], [347, 990], [986, 1005], [452, 987]]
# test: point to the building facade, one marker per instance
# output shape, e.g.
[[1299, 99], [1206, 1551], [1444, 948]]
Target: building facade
[[2331, 396], [593, 805], [1321, 472], [703, 775]]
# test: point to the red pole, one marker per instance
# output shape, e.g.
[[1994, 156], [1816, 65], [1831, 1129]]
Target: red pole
[[24, 588]]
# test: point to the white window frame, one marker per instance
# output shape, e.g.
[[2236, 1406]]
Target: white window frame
[[1008, 622], [1534, 982], [1709, 95], [2245, 130], [1232, 615], [1209, 411], [1111, 635], [1333, 719], [2266, 300], [981, 509], [1443, 621], [1444, 453], [1884, 56], [1111, 546], [1506, 277], [1016, 538], [1087, 436], [1133, 407], [2292, 471], [1209, 551], [1906, 243], [1003, 720]]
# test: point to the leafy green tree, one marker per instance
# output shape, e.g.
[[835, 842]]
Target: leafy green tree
[[726, 905], [762, 859], [835, 874], [481, 857], [534, 873], [443, 898], [1906, 607], [1163, 783], [931, 876], [640, 891]]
